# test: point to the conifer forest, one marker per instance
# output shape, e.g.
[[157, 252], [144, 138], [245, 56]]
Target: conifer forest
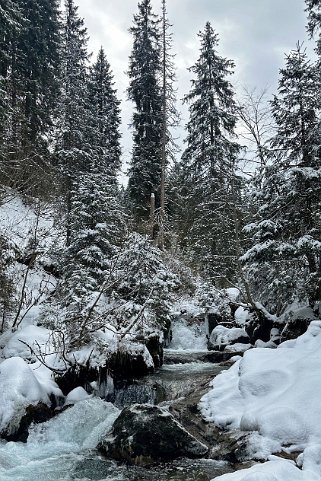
[[160, 311]]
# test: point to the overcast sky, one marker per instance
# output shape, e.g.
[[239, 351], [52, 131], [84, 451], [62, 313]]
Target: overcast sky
[[254, 33]]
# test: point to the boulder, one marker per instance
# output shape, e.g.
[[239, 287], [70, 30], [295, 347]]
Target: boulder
[[144, 434], [222, 336], [37, 413]]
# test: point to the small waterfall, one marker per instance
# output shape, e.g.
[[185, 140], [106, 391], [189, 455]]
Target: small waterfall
[[54, 448], [188, 336]]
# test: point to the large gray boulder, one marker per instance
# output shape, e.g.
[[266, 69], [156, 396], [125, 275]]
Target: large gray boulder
[[144, 434]]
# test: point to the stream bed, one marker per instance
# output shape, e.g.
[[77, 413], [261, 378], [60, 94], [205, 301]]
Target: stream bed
[[63, 449]]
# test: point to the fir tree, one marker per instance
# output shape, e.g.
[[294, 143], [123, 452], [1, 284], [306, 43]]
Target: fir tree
[[170, 115], [287, 234], [145, 91], [72, 152], [104, 122], [294, 109], [208, 186], [313, 8], [38, 66], [30, 31]]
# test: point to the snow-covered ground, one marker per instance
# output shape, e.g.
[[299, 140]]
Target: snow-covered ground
[[274, 394]]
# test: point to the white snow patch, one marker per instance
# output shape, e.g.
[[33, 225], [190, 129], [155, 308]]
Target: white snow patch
[[233, 293], [19, 389], [222, 335], [238, 347], [241, 316], [76, 395]]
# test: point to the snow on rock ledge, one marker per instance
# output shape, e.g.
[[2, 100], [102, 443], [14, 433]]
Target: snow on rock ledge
[[222, 336], [19, 389]]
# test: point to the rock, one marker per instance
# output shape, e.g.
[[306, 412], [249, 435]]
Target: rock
[[222, 336], [77, 376], [37, 413], [144, 434], [155, 347], [131, 365], [294, 328], [232, 447]]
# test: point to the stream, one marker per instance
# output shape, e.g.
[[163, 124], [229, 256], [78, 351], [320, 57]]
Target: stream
[[63, 449]]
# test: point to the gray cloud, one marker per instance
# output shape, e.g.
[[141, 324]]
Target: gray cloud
[[254, 33]]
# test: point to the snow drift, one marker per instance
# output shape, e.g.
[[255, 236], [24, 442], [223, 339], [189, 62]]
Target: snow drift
[[276, 395]]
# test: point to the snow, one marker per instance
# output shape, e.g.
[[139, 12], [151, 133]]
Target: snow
[[222, 335], [233, 293], [275, 470], [76, 395], [38, 338], [275, 395], [19, 389], [241, 316], [238, 347]]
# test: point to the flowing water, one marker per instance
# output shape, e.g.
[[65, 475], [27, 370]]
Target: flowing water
[[63, 449]]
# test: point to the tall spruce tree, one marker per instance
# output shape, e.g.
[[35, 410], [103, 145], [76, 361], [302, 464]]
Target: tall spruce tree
[[38, 66], [287, 233], [294, 109], [71, 149], [104, 120], [170, 115], [30, 76], [10, 25], [89, 155], [145, 91], [207, 183]]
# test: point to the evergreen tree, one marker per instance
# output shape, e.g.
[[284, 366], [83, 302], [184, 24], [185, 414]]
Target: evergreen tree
[[208, 186], [38, 66], [287, 234], [10, 25], [294, 109], [145, 91], [170, 116], [104, 122], [72, 152], [313, 8], [89, 155], [30, 38]]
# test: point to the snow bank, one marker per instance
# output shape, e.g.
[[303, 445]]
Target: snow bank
[[19, 389], [276, 394], [276, 470]]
